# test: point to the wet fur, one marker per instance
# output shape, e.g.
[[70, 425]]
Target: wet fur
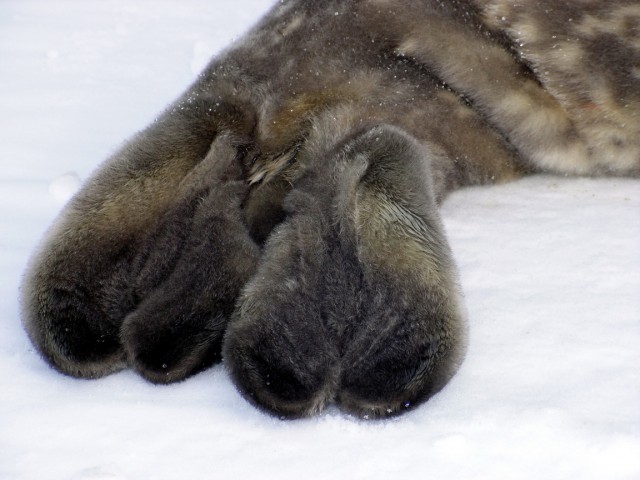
[[282, 213]]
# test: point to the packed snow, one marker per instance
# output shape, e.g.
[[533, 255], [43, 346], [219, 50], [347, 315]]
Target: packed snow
[[550, 267]]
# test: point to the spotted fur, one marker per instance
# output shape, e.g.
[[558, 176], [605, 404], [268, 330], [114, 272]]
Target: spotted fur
[[282, 213]]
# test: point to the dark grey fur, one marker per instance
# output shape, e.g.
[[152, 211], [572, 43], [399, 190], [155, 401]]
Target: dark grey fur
[[292, 192], [332, 312]]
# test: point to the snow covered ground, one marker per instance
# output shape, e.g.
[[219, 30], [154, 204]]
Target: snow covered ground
[[550, 266]]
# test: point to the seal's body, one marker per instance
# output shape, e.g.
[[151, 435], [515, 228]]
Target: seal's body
[[282, 213]]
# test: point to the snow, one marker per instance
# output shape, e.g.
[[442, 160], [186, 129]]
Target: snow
[[550, 267]]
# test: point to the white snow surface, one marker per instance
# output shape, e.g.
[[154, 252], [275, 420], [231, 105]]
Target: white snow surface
[[550, 268]]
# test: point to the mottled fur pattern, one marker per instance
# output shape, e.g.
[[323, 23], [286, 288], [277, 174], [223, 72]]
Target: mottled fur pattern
[[282, 213]]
